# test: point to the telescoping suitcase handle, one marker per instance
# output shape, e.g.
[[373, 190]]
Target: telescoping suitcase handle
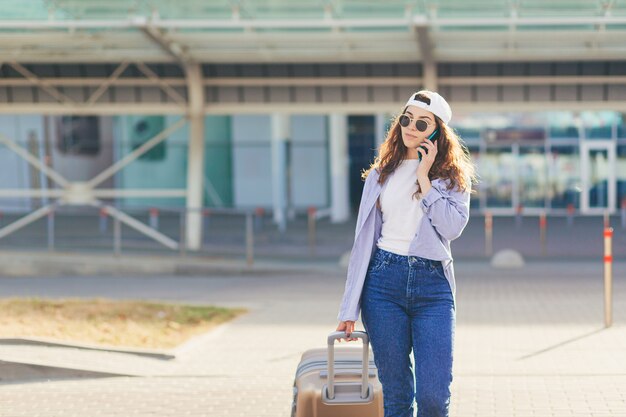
[[331, 361]]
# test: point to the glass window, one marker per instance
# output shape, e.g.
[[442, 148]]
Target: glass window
[[599, 124], [621, 126], [562, 125], [467, 133], [78, 135], [598, 132], [564, 176], [496, 170], [144, 128], [564, 132], [599, 168], [533, 176]]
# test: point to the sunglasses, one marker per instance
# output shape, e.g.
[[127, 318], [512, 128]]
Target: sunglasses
[[421, 124]]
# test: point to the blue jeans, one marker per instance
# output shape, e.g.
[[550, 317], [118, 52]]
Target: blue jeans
[[407, 304]]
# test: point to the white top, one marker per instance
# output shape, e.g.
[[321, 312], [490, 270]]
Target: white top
[[401, 212]]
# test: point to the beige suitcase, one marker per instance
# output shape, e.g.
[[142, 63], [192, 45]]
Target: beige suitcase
[[338, 382]]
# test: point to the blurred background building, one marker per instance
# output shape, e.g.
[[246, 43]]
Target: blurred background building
[[280, 104]]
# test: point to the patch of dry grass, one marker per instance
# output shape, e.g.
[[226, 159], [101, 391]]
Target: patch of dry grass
[[109, 322]]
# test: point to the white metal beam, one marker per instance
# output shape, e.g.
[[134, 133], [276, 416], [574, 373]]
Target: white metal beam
[[170, 47], [25, 220], [106, 83], [312, 108], [111, 109], [320, 108], [396, 53], [37, 163], [166, 87], [326, 23], [34, 79], [139, 226], [333, 82]]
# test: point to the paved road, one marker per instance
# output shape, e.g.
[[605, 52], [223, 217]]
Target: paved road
[[529, 342]]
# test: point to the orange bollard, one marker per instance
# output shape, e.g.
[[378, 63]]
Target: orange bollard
[[518, 215], [543, 225], [608, 278], [570, 214], [259, 212], [206, 218], [103, 220], [154, 218]]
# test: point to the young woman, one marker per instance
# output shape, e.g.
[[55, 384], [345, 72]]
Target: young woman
[[400, 274]]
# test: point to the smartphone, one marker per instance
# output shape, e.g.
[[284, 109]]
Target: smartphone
[[433, 137]]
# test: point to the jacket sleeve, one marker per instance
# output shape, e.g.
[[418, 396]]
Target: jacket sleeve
[[347, 309], [448, 210]]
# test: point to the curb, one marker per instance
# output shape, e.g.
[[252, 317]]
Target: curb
[[12, 371], [54, 343], [24, 264]]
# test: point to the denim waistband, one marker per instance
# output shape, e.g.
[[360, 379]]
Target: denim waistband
[[391, 257]]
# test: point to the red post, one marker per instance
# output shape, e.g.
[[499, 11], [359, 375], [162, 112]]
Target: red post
[[608, 276], [543, 225], [488, 233], [259, 212], [570, 214], [154, 217], [518, 215], [103, 220], [206, 218]]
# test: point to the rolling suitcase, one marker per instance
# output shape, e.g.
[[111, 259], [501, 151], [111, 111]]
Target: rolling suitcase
[[337, 382]]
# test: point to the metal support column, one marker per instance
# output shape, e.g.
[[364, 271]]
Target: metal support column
[[381, 128], [195, 156], [429, 64], [339, 179], [280, 136]]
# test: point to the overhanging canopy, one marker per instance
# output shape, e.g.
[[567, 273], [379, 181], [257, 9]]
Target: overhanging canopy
[[263, 31]]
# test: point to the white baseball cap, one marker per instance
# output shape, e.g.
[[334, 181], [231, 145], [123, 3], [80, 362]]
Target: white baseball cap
[[438, 105]]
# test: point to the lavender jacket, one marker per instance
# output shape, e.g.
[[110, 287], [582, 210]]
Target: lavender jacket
[[446, 215]]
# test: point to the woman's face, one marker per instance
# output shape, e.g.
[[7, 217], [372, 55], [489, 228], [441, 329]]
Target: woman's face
[[410, 135]]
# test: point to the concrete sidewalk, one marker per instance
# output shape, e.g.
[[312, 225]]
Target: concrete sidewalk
[[529, 342]]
